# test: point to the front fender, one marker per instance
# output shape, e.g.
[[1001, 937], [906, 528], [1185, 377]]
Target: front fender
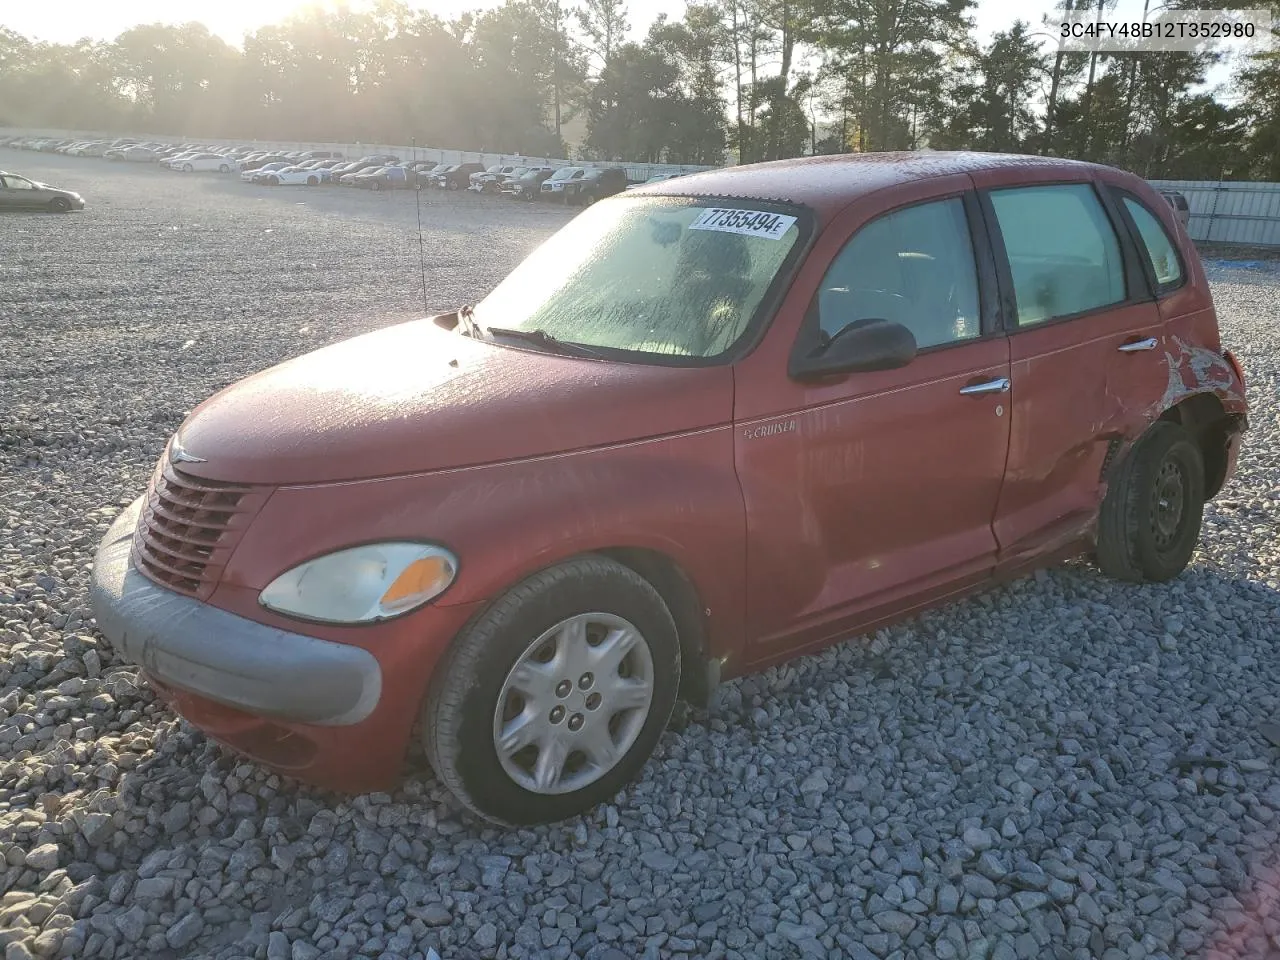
[[678, 496]]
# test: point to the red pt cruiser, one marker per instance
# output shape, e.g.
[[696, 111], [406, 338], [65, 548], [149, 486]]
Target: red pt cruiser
[[709, 425]]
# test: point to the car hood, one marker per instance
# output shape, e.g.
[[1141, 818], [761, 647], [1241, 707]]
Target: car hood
[[414, 398]]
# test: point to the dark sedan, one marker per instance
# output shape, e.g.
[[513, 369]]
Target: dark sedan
[[19, 193]]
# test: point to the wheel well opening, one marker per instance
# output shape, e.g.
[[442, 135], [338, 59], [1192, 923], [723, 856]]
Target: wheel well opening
[[681, 598], [1204, 417]]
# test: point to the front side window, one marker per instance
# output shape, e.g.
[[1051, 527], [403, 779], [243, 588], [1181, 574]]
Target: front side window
[[658, 275], [1161, 252], [1063, 253], [17, 183], [913, 266]]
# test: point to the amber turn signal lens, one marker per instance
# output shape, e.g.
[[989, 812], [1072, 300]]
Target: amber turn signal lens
[[423, 576]]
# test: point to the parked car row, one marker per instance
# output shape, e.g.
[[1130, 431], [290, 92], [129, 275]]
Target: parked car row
[[573, 185]]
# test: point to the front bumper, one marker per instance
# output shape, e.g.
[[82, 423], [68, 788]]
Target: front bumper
[[191, 646], [240, 681]]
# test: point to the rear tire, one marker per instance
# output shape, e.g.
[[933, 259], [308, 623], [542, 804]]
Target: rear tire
[[1149, 522], [313, 181], [477, 696], [376, 185], [223, 168]]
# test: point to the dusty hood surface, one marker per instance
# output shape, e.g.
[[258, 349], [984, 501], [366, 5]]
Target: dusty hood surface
[[413, 398]]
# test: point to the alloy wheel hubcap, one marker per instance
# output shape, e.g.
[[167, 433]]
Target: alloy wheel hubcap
[[574, 703], [1168, 503]]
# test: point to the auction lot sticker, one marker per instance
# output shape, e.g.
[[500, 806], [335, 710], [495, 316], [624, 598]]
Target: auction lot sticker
[[751, 223]]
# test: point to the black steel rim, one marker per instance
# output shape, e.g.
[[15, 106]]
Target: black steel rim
[[1169, 503]]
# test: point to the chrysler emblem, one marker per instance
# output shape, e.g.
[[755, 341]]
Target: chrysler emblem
[[178, 455]]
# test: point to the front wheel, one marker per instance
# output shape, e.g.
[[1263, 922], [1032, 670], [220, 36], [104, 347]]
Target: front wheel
[[450, 185], [553, 700], [376, 185], [187, 168], [223, 168], [59, 205], [1149, 522], [312, 181]]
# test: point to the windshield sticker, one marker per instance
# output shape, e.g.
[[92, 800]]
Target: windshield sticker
[[752, 223]]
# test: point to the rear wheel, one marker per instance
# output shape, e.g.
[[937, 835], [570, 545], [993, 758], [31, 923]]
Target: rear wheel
[[553, 700], [59, 205], [1149, 523], [376, 185], [312, 181], [223, 168]]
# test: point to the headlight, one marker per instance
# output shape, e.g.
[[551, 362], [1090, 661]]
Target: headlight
[[364, 584]]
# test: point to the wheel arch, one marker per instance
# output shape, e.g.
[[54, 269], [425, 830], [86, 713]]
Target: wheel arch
[[1206, 418], [699, 674]]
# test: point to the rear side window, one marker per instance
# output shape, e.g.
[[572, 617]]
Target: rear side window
[[1161, 252], [1063, 253], [912, 266]]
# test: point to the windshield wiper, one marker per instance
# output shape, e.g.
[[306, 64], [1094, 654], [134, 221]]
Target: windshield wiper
[[467, 319], [540, 338]]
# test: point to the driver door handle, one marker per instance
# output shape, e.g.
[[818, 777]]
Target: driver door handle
[[1147, 344], [1000, 385]]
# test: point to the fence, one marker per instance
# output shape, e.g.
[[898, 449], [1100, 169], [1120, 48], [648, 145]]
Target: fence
[[635, 171], [1228, 212]]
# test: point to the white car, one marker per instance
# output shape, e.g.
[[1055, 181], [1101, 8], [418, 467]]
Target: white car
[[294, 177], [656, 178], [203, 162], [260, 174], [175, 162]]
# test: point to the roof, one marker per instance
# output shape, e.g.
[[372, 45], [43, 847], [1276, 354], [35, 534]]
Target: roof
[[828, 183]]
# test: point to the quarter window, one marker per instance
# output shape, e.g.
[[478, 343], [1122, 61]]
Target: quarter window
[[1063, 253], [1161, 252], [913, 266]]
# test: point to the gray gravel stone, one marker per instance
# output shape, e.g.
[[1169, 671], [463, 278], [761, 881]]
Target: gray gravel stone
[[43, 857]]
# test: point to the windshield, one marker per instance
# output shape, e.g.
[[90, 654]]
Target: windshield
[[659, 275]]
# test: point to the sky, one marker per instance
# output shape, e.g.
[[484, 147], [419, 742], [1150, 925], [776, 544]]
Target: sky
[[70, 20]]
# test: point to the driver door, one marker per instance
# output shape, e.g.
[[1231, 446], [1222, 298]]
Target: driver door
[[18, 194], [872, 493]]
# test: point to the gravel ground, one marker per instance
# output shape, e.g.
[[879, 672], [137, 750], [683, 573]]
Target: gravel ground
[[1062, 767]]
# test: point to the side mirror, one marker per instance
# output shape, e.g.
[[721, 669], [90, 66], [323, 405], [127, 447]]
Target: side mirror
[[860, 347]]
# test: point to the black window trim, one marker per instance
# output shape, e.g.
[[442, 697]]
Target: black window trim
[[1137, 290], [1161, 290], [809, 336]]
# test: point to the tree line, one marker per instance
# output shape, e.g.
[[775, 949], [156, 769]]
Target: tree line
[[764, 79]]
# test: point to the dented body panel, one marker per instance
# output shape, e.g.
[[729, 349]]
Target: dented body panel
[[797, 510]]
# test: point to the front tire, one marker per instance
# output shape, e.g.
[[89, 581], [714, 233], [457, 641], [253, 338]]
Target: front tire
[[59, 205], [223, 168], [376, 185], [1149, 523], [313, 181], [555, 697], [187, 168]]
